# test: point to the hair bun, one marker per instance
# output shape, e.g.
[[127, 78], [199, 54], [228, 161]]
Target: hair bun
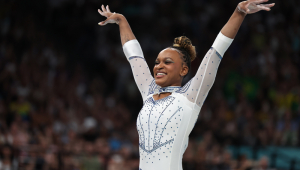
[[186, 44]]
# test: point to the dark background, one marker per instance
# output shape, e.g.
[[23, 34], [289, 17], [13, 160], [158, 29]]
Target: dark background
[[68, 99]]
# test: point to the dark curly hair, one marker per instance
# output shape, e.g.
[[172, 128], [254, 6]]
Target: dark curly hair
[[184, 45]]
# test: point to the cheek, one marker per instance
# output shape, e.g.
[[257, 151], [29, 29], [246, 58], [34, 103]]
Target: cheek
[[154, 68], [174, 69]]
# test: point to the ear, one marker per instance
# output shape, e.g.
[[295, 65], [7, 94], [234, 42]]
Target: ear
[[184, 70]]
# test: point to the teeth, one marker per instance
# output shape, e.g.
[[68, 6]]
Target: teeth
[[161, 74]]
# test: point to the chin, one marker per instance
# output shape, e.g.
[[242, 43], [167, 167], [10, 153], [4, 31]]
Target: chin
[[160, 82]]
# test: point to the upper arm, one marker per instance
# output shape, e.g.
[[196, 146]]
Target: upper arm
[[202, 82], [140, 69]]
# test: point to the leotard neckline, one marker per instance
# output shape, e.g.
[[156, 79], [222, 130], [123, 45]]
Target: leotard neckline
[[168, 89]]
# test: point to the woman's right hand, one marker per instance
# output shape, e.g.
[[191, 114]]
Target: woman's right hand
[[125, 30], [110, 17]]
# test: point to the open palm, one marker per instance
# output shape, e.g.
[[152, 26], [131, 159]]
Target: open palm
[[110, 17], [253, 6]]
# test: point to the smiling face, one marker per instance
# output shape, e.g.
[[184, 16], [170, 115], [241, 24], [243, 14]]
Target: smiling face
[[169, 68]]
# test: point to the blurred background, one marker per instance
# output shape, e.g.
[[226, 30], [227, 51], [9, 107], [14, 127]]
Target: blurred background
[[68, 100]]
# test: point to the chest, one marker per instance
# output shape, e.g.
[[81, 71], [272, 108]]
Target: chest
[[159, 121], [167, 109]]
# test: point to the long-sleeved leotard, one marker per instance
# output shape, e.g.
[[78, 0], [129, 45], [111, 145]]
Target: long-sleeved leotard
[[165, 124]]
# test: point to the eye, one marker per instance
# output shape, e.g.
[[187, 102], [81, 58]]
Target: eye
[[168, 62], [156, 62]]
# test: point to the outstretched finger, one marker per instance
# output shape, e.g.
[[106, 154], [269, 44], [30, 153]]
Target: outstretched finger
[[106, 22], [268, 5], [100, 12], [102, 23], [107, 9], [263, 8], [103, 8], [260, 1]]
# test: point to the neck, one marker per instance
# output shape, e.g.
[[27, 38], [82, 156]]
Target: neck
[[172, 85]]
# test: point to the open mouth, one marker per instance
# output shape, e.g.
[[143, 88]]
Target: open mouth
[[159, 75]]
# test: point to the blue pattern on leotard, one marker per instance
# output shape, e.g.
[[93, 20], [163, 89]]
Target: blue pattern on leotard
[[150, 103]]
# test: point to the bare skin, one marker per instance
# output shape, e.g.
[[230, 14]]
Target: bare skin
[[170, 61], [125, 30], [231, 28]]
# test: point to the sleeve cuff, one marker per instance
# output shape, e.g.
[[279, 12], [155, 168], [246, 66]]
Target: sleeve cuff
[[222, 43], [132, 48]]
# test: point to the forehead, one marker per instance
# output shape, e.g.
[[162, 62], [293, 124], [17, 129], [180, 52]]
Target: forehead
[[169, 53]]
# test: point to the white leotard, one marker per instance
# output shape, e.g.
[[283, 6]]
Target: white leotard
[[165, 124]]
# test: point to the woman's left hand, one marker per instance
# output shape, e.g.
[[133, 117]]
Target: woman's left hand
[[253, 6]]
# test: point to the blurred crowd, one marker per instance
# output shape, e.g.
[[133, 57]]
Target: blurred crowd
[[68, 100]]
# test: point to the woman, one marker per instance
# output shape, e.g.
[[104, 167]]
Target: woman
[[170, 111]]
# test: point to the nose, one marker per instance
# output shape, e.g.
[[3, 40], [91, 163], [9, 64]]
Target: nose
[[160, 65]]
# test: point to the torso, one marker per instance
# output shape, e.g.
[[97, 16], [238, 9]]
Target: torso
[[164, 124]]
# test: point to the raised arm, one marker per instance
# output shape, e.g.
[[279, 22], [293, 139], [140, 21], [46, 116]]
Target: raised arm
[[125, 30], [132, 50], [199, 86], [231, 28]]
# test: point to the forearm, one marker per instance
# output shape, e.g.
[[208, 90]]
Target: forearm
[[135, 56], [228, 32], [231, 28], [125, 30]]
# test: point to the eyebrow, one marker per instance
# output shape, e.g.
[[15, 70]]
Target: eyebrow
[[166, 58]]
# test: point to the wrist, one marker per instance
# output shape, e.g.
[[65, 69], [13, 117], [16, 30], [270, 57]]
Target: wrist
[[240, 11], [240, 8], [120, 18]]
